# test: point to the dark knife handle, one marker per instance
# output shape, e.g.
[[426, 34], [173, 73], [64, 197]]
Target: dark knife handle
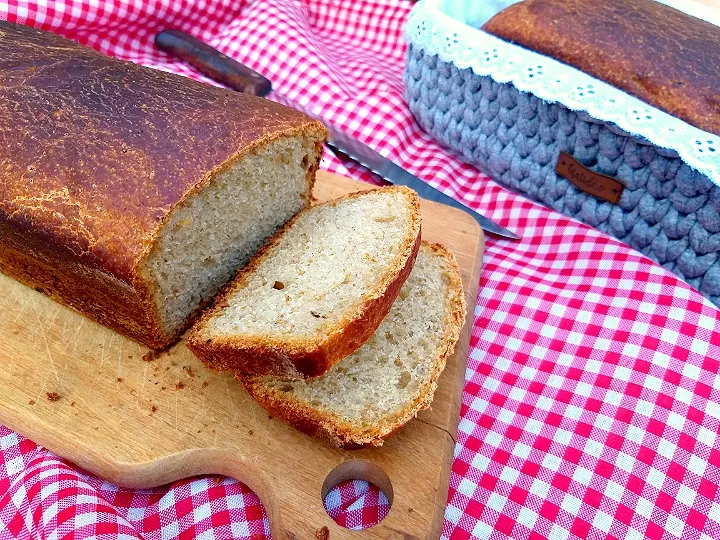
[[212, 62]]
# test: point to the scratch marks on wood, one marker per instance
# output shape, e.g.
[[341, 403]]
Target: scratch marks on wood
[[190, 426], [177, 398], [41, 328], [73, 342], [42, 389]]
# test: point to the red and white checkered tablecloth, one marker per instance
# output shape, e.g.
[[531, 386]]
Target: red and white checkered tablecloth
[[591, 406]]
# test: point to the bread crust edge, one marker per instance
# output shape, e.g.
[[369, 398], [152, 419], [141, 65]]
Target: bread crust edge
[[329, 427]]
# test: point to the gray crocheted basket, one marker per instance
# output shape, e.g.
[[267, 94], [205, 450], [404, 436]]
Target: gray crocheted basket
[[667, 211]]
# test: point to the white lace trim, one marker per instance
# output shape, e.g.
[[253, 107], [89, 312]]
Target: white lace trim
[[432, 28]]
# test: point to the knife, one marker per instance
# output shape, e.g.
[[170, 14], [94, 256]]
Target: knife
[[237, 76]]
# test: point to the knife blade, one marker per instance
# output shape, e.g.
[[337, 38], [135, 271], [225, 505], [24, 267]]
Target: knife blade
[[395, 174], [235, 75]]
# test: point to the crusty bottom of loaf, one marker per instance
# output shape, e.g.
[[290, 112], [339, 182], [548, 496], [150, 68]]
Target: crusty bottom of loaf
[[374, 391]]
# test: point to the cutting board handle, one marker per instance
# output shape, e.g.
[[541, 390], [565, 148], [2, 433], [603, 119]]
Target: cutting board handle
[[276, 493], [144, 422], [198, 462]]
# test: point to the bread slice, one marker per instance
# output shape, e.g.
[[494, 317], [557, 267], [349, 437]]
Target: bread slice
[[317, 291], [373, 392]]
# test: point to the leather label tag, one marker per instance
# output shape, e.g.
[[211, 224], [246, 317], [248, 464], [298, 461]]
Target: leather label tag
[[597, 184]]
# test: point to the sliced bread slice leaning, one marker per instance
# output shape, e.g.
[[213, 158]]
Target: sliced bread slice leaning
[[373, 392], [317, 290]]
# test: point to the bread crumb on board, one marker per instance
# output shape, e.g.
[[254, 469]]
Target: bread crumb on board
[[189, 371], [53, 396], [154, 354], [323, 533], [150, 356]]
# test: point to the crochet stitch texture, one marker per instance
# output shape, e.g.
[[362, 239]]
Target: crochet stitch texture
[[667, 211]]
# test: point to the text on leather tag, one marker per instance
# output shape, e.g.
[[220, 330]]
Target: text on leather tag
[[589, 181]]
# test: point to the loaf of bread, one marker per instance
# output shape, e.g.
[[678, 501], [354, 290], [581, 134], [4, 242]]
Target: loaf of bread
[[373, 392], [317, 290], [659, 54], [131, 194]]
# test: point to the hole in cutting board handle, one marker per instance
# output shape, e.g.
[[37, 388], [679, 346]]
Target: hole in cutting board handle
[[357, 469]]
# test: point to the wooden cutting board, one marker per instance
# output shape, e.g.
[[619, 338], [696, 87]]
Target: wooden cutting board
[[139, 419]]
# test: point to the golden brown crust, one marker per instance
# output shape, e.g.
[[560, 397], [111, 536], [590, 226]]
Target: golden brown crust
[[303, 358], [659, 54], [95, 294], [327, 426], [100, 153]]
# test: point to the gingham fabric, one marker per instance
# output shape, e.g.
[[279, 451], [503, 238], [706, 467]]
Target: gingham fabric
[[591, 403]]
